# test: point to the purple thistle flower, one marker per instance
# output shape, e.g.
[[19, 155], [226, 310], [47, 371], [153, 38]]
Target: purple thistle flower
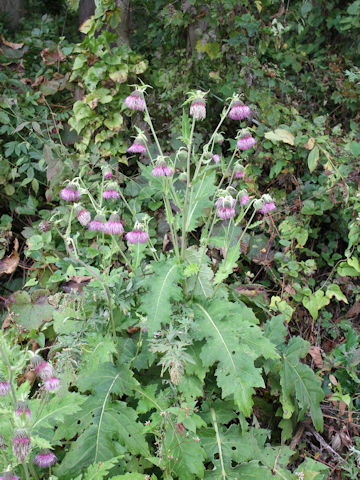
[[4, 388], [246, 142], [135, 101], [70, 193], [162, 170], [110, 194], [198, 109], [225, 207], [84, 217], [97, 225], [113, 226], [267, 207], [137, 236], [51, 383], [8, 476], [137, 148], [216, 158], [239, 111], [42, 369], [22, 407], [244, 200], [108, 174], [45, 459], [21, 444]]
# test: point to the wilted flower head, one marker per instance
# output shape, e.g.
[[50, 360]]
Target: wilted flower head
[[198, 109], [138, 146], [239, 111], [245, 141], [216, 158], [225, 207], [135, 101], [239, 171], [162, 169], [111, 192], [21, 444], [113, 226], [42, 368], [45, 459], [4, 386], [97, 225], [8, 476], [22, 407], [83, 215], [138, 234], [70, 193], [44, 226]]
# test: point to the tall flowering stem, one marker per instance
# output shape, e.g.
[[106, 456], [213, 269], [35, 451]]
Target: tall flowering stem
[[184, 218], [149, 122]]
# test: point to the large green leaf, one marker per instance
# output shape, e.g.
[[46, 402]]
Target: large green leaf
[[299, 382], [200, 199], [233, 343], [162, 287], [200, 283]]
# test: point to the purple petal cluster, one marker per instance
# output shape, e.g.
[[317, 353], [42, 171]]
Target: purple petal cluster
[[244, 143], [84, 217], [21, 444], [4, 388], [108, 174], [239, 111], [225, 207], [113, 226], [137, 236], [8, 476], [110, 194], [216, 158], [135, 101], [45, 459], [45, 371], [244, 200], [267, 207], [137, 148], [162, 170], [97, 225], [70, 194]]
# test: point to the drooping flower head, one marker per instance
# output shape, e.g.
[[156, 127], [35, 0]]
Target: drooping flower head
[[245, 140], [138, 234], [23, 407], [219, 138], [139, 145], [113, 226], [265, 205], [51, 383], [70, 193], [162, 169], [135, 101], [21, 444], [225, 207], [239, 171], [42, 368], [244, 197], [111, 191], [45, 459], [44, 226], [216, 158], [108, 173], [198, 105], [4, 386], [239, 111], [8, 476], [83, 215], [97, 225]]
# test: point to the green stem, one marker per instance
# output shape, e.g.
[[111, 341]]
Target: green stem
[[6, 360], [148, 119], [33, 471], [27, 475], [171, 225], [184, 219]]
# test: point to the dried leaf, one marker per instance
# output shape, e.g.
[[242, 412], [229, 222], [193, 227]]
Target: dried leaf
[[9, 263], [52, 56], [14, 46], [309, 145], [354, 310], [315, 353]]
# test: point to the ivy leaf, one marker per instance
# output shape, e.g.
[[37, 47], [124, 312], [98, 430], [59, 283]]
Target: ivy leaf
[[315, 302], [299, 381], [334, 290], [162, 288], [233, 343]]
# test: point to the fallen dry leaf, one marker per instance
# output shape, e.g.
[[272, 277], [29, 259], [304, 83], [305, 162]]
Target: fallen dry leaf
[[315, 353], [9, 263], [309, 145], [354, 310], [14, 46], [52, 56]]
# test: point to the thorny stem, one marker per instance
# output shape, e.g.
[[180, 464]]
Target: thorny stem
[[184, 217]]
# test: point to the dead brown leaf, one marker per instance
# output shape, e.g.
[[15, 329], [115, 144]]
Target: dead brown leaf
[[354, 310], [315, 353], [14, 46], [180, 429], [52, 56], [9, 263]]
